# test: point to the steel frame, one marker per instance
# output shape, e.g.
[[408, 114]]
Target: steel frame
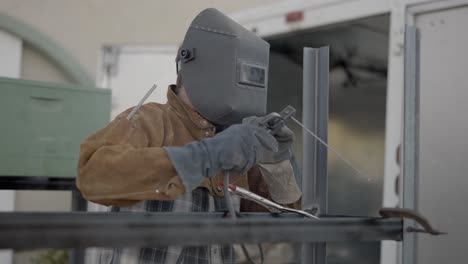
[[315, 154], [410, 139], [80, 230], [37, 183]]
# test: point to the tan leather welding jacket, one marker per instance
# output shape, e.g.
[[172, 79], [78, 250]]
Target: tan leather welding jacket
[[124, 162]]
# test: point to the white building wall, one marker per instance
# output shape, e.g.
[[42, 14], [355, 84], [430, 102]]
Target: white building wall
[[83, 27]]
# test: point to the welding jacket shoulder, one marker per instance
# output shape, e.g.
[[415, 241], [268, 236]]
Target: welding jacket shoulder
[[124, 162]]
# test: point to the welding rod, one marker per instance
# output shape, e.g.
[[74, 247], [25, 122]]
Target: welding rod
[[135, 109]]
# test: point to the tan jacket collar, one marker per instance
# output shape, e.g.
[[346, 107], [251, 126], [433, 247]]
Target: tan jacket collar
[[185, 112]]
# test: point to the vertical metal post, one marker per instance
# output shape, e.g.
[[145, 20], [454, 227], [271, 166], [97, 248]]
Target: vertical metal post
[[410, 139], [77, 255], [315, 155]]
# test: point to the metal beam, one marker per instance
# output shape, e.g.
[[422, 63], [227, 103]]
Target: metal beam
[[37, 183], [80, 230], [78, 204], [315, 154], [410, 138]]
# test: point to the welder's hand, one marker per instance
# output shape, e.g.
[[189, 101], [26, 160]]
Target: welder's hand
[[236, 150], [284, 136]]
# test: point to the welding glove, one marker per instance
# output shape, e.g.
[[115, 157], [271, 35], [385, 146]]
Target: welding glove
[[281, 182], [284, 137], [235, 150], [277, 169]]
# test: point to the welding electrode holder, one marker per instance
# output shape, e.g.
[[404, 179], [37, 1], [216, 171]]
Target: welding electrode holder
[[273, 122]]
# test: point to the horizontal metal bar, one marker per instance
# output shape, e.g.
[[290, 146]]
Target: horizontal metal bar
[[37, 183], [80, 230]]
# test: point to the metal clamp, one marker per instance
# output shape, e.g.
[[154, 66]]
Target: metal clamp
[[403, 213], [270, 205]]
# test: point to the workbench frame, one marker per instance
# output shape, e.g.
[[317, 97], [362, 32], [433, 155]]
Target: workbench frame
[[82, 230], [79, 230]]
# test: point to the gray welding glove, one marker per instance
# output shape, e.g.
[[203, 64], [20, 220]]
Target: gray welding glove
[[277, 170], [284, 137], [235, 150]]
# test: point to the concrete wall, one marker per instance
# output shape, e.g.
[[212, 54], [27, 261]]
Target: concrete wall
[[35, 66], [83, 27]]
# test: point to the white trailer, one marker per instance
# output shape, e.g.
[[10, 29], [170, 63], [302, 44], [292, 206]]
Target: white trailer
[[443, 64]]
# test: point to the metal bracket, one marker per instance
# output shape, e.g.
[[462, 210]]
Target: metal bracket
[[187, 55], [314, 209], [110, 60]]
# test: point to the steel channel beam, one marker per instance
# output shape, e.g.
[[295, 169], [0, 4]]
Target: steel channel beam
[[81, 230], [37, 183], [315, 155], [410, 138], [78, 204]]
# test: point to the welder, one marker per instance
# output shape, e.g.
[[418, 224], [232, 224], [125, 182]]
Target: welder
[[171, 157]]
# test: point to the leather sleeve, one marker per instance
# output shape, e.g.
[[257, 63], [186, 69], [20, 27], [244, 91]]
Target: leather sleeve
[[116, 166]]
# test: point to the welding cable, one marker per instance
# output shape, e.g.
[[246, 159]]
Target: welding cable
[[249, 258], [262, 257], [230, 206], [227, 196], [232, 212]]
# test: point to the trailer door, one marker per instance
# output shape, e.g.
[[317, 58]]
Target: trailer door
[[441, 185]]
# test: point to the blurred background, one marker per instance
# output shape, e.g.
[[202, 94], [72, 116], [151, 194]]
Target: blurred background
[[68, 67]]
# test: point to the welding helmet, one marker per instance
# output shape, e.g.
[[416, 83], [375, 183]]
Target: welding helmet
[[224, 68]]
